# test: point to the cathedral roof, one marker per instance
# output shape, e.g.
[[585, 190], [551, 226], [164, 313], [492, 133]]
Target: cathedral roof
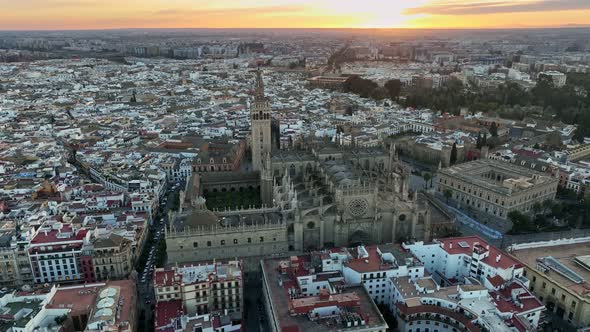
[[201, 218]]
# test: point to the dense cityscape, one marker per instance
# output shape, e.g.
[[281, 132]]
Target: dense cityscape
[[295, 180]]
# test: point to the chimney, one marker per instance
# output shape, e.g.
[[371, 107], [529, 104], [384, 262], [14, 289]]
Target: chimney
[[450, 245], [498, 258]]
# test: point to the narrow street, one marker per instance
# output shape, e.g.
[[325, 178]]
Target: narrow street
[[151, 254], [254, 314]]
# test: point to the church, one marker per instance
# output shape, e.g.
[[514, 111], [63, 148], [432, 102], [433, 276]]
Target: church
[[319, 197]]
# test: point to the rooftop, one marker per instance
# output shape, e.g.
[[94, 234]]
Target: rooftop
[[504, 178], [467, 244], [568, 254], [352, 301]]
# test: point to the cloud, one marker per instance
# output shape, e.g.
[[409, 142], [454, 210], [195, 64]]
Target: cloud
[[497, 7]]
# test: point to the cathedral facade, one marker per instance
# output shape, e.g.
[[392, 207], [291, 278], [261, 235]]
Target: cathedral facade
[[320, 197]]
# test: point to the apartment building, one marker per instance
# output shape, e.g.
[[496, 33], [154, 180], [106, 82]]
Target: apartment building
[[55, 252], [207, 288]]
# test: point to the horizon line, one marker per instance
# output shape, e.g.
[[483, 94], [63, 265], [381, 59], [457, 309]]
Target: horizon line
[[556, 27]]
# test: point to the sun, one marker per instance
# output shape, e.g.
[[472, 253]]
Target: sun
[[372, 13]]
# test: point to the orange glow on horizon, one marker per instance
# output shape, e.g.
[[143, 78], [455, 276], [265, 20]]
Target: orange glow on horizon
[[112, 14]]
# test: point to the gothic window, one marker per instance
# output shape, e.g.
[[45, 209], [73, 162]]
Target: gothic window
[[402, 217], [310, 225], [358, 207]]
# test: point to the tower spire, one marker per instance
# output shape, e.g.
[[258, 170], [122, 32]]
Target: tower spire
[[259, 85], [260, 114]]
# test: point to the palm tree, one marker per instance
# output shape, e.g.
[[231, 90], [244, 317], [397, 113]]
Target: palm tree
[[427, 177], [448, 193]]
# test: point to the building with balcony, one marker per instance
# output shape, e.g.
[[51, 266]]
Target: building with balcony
[[15, 267], [469, 285], [559, 274], [214, 288], [496, 187], [112, 257], [55, 252]]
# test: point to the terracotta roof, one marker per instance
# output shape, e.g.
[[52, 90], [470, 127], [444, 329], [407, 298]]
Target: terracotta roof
[[453, 247], [167, 311]]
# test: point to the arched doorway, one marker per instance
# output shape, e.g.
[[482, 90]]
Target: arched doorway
[[359, 237]]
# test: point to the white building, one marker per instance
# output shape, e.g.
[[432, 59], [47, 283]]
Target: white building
[[558, 78]]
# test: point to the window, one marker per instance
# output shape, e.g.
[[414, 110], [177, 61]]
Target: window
[[208, 243], [235, 241], [262, 239], [249, 240], [195, 244]]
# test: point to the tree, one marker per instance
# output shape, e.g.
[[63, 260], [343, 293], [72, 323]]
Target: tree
[[448, 193], [520, 223], [360, 86], [454, 154], [378, 93], [394, 88], [427, 177], [547, 206], [494, 129], [537, 208]]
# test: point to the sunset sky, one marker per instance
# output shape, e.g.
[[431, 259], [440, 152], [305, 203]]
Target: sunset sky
[[108, 14]]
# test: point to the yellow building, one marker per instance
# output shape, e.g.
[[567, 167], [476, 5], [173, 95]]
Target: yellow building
[[112, 257], [559, 275]]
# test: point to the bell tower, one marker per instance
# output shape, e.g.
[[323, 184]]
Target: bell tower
[[260, 117]]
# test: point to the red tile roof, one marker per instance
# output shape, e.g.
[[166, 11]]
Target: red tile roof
[[164, 278], [304, 305], [368, 264], [451, 246], [51, 236], [504, 302], [438, 310], [496, 281], [166, 311]]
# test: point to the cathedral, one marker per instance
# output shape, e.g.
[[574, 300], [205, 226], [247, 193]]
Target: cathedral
[[320, 197]]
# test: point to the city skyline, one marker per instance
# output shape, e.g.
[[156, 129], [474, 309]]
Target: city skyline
[[477, 14]]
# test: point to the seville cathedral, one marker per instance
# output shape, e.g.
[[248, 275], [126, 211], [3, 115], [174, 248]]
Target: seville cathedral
[[320, 197]]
